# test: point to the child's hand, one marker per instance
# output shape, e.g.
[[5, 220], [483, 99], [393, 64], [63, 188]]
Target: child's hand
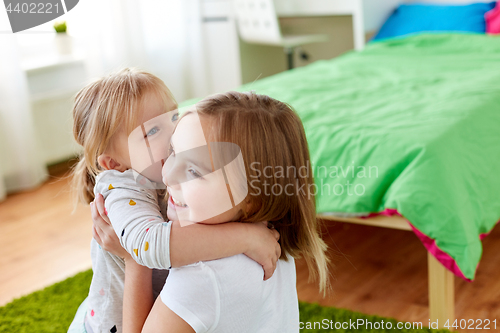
[[264, 247], [102, 230]]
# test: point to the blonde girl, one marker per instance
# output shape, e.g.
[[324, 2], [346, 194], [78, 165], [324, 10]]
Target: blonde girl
[[105, 114], [228, 295]]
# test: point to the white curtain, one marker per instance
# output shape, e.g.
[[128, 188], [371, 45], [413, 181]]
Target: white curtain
[[20, 164], [160, 36]]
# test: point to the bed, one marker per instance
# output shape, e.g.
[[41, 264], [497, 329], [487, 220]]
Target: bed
[[404, 135]]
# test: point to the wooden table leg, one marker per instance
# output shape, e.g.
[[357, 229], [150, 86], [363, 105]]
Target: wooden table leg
[[441, 293]]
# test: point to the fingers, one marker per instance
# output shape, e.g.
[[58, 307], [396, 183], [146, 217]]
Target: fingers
[[266, 273], [97, 218], [96, 236], [270, 266], [94, 212], [270, 226], [99, 203], [104, 239], [269, 269], [276, 234], [278, 252]]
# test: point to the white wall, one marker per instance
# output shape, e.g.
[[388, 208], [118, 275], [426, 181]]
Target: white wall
[[375, 12]]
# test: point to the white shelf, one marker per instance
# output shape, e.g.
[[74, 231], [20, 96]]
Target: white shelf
[[43, 63], [54, 95]]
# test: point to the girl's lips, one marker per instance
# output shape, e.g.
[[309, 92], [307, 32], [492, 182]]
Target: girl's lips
[[175, 205]]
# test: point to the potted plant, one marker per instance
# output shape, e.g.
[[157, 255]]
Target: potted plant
[[63, 40]]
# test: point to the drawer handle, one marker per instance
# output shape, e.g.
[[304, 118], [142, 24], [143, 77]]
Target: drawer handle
[[215, 19]]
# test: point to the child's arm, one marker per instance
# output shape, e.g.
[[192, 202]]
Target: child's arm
[[132, 207], [196, 242], [138, 290], [137, 297]]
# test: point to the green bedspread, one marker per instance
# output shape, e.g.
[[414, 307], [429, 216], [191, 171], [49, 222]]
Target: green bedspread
[[410, 124]]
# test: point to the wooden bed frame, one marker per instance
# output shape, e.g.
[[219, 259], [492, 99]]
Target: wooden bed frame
[[441, 280]]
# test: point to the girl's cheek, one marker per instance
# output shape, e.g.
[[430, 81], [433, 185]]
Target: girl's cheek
[[193, 195], [171, 214], [156, 171], [206, 200]]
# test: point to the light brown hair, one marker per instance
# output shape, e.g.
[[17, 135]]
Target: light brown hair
[[270, 134], [100, 110]]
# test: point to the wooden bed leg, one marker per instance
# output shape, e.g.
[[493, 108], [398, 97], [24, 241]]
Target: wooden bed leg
[[441, 293]]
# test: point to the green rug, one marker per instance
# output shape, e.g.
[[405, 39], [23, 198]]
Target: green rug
[[52, 310]]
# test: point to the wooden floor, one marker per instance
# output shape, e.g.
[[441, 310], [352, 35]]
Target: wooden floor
[[42, 241], [384, 272], [377, 271]]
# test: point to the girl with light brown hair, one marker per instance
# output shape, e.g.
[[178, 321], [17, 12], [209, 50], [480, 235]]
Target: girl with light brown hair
[[235, 153], [108, 114]]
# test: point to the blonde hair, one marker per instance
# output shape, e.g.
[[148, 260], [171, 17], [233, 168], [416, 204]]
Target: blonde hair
[[270, 134], [100, 110]]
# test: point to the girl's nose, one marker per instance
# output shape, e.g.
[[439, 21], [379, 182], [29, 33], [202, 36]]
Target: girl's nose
[[164, 171], [168, 172]]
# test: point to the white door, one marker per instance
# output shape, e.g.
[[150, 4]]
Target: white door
[[221, 45]]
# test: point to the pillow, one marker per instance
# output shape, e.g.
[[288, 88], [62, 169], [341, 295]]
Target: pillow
[[411, 18], [493, 20]]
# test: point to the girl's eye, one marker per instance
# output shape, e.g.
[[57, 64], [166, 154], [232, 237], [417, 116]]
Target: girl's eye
[[194, 173], [175, 117], [171, 150], [153, 131]]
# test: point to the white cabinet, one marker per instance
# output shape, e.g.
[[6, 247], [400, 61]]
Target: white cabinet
[[221, 45], [53, 85]]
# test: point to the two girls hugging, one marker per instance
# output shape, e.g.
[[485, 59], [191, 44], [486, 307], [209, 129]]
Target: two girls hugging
[[228, 271]]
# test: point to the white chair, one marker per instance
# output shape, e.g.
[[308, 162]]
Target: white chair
[[258, 24]]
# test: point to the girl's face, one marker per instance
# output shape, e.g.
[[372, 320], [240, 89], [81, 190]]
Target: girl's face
[[147, 145], [197, 191]]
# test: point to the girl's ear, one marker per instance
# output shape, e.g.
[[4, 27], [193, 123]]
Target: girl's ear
[[109, 163]]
